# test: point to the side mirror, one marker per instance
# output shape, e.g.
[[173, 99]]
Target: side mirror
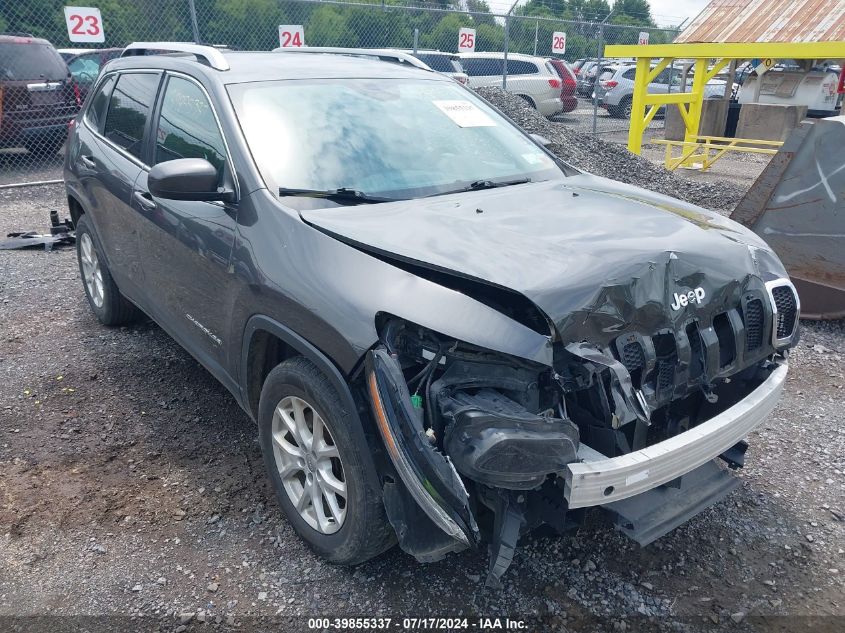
[[542, 140], [187, 179]]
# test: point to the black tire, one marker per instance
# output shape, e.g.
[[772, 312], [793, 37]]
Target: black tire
[[114, 309], [365, 531], [624, 108]]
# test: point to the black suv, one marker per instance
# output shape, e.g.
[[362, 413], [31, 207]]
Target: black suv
[[446, 335], [38, 97]]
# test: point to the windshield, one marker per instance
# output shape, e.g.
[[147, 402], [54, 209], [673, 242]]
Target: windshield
[[381, 137], [30, 61]]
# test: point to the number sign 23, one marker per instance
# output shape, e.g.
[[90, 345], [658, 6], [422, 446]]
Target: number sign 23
[[84, 24]]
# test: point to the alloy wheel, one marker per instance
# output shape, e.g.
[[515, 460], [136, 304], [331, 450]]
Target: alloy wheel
[[309, 464], [92, 274]]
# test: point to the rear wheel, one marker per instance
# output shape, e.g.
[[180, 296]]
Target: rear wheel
[[109, 306], [528, 100], [317, 468], [625, 108]]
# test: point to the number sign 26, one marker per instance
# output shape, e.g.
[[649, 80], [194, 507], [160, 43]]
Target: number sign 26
[[291, 36], [466, 40], [84, 24]]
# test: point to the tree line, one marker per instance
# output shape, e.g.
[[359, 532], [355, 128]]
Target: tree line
[[252, 24]]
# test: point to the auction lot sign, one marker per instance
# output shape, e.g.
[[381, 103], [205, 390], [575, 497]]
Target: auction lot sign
[[84, 24]]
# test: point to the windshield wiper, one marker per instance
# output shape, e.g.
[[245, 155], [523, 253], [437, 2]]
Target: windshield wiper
[[478, 185], [344, 194]]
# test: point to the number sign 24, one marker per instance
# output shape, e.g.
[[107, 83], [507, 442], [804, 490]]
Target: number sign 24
[[291, 36]]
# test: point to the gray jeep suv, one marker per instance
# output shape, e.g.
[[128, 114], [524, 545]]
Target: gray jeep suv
[[445, 335]]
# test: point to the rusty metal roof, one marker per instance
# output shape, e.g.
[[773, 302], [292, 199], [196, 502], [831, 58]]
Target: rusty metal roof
[[768, 21]]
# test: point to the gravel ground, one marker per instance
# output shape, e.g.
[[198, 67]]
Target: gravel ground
[[132, 491], [595, 155]]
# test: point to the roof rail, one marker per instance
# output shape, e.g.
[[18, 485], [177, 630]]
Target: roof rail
[[384, 54], [17, 34], [209, 55]]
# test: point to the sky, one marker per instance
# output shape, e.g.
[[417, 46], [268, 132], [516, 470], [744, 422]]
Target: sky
[[665, 12]]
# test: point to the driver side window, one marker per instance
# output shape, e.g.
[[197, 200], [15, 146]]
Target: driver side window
[[187, 127]]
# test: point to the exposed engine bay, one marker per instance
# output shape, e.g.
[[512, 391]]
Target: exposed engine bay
[[482, 441]]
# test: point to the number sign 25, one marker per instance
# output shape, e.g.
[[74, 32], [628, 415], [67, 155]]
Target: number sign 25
[[84, 24], [291, 36], [466, 40]]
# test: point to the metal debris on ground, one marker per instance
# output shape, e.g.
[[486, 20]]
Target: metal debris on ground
[[61, 234]]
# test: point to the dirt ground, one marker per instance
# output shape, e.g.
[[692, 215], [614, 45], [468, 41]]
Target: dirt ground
[[133, 497]]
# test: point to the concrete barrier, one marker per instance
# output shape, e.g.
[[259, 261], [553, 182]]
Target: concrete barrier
[[714, 115], [769, 122]]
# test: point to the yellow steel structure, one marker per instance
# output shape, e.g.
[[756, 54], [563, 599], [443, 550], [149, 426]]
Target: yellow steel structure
[[709, 59], [699, 151]]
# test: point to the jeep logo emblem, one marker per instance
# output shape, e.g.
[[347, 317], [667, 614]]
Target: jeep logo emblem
[[693, 296]]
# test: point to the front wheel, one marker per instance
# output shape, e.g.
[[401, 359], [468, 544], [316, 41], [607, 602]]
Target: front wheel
[[317, 468], [108, 305]]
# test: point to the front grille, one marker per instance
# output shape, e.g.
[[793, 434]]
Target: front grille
[[753, 324], [787, 311], [633, 357]]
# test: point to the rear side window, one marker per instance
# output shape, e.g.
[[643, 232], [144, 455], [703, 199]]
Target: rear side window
[[129, 110], [631, 73], [23, 61], [482, 67], [519, 67], [187, 127], [97, 109], [440, 63]]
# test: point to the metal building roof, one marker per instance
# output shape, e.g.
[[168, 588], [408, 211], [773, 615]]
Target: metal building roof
[[768, 21]]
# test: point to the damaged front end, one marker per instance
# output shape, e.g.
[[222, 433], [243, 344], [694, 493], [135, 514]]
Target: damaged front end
[[447, 410], [484, 446]]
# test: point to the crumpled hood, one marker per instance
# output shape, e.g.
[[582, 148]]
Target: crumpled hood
[[580, 247]]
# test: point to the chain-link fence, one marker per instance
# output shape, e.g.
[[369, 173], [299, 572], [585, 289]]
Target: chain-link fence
[[38, 97]]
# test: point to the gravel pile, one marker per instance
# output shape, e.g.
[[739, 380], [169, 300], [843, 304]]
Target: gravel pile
[[594, 155]]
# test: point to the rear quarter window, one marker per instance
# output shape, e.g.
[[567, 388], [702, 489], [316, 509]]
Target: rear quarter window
[[129, 110]]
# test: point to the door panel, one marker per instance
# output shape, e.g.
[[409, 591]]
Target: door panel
[[108, 169], [187, 245]]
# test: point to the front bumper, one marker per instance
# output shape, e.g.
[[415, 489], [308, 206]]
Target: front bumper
[[598, 480]]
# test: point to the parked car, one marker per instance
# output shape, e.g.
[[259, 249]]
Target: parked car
[[85, 64], [576, 65], [568, 84], [448, 64], [446, 335], [529, 77], [585, 79], [38, 97], [615, 88]]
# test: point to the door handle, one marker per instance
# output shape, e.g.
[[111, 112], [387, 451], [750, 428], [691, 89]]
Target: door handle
[[87, 161], [145, 200]]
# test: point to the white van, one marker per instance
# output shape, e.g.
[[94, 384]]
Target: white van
[[532, 78]]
